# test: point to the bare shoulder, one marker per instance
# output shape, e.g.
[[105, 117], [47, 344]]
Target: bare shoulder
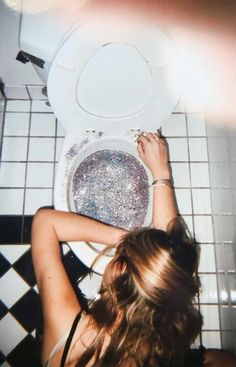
[[218, 358]]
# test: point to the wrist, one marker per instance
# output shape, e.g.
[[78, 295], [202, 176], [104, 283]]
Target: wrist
[[161, 174]]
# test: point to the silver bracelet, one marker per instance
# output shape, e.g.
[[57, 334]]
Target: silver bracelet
[[162, 182]]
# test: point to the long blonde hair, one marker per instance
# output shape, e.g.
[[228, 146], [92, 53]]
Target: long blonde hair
[[146, 301]]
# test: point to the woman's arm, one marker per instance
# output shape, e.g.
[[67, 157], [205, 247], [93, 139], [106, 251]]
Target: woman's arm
[[60, 304], [153, 150]]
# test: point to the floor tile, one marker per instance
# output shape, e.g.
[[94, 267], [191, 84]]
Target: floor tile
[[14, 149], [201, 201], [196, 124], [203, 228], [9, 294], [17, 333], [41, 149], [208, 293], [26, 354], [183, 197], [42, 124], [175, 125], [200, 174], [13, 252], [207, 262], [211, 339], [18, 106], [16, 92], [39, 175], [180, 173], [11, 201], [198, 149], [24, 268], [178, 149], [40, 106], [37, 198], [12, 174], [27, 319], [35, 92], [16, 123], [210, 315], [4, 264]]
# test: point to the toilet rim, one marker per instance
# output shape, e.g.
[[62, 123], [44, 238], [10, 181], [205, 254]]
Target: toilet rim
[[88, 252]]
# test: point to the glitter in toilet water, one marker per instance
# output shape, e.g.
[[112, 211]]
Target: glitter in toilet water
[[112, 186]]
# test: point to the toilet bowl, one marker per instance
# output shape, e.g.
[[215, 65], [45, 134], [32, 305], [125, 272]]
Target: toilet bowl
[[107, 80]]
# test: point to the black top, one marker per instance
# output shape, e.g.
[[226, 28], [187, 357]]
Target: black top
[[69, 339]]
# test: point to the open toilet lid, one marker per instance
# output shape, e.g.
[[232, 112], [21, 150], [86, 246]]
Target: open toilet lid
[[113, 78]]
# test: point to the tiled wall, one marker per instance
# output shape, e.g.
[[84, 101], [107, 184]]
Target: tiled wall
[[222, 154], [32, 142], [2, 111]]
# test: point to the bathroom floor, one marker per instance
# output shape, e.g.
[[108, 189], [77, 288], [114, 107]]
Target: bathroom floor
[[32, 143]]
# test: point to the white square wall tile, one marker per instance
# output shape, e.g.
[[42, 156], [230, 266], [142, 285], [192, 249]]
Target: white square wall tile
[[42, 124], [207, 263], [189, 222], [178, 149], [16, 123], [180, 173], [203, 228], [36, 198], [16, 92], [196, 124], [14, 149], [11, 201], [35, 92], [208, 292], [9, 293], [41, 149], [201, 201], [12, 174], [198, 149], [183, 197], [40, 106], [211, 339], [39, 175], [200, 174], [18, 106], [10, 326], [210, 315], [175, 125]]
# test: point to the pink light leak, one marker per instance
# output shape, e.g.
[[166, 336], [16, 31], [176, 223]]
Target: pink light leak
[[204, 35]]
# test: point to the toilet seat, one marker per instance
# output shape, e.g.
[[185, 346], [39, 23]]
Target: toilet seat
[[88, 86]]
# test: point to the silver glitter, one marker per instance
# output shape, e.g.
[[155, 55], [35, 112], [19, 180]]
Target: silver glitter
[[112, 186]]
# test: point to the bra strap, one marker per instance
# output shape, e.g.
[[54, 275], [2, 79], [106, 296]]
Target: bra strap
[[69, 339]]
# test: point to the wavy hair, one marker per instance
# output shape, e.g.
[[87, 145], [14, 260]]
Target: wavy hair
[[146, 301]]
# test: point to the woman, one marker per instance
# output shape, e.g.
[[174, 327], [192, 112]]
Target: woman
[[144, 315]]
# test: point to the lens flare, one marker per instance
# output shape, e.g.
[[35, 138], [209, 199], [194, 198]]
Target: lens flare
[[35, 6]]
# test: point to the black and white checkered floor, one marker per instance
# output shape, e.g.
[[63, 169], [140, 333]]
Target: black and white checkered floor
[[20, 310]]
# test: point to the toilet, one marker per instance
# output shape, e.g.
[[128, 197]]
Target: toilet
[[106, 84]]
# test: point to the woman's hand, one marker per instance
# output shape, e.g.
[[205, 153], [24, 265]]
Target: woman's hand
[[153, 150]]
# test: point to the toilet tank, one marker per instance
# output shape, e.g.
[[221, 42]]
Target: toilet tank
[[42, 32]]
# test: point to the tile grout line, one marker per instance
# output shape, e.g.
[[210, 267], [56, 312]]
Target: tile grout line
[[193, 222], [213, 228], [26, 174]]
